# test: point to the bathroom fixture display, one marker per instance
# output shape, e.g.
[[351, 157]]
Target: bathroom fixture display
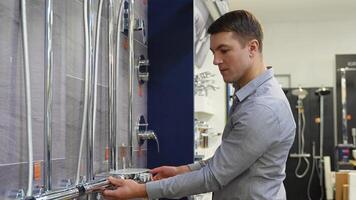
[[301, 94], [27, 94], [48, 96], [343, 81], [82, 99], [201, 134], [203, 82], [321, 92], [143, 134], [134, 25], [142, 69], [318, 161], [126, 16]]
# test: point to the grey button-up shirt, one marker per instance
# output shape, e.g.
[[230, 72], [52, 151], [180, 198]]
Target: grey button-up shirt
[[250, 162]]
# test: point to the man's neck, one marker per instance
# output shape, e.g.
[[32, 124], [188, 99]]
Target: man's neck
[[250, 74]]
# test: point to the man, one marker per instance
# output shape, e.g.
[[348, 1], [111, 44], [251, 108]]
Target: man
[[250, 162]]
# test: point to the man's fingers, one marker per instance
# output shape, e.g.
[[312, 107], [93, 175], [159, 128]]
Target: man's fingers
[[109, 198], [109, 193], [116, 181], [155, 170], [157, 177]]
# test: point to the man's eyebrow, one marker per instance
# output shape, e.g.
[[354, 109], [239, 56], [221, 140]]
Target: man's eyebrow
[[219, 47]]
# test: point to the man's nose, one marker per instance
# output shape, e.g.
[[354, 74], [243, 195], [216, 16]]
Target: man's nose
[[217, 60]]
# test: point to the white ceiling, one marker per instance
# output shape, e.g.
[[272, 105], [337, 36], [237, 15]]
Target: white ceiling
[[298, 10]]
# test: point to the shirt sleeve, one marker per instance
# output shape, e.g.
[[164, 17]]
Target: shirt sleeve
[[252, 133], [198, 165]]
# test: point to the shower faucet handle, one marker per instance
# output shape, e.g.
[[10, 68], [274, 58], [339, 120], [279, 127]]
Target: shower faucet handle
[[143, 134], [140, 26], [142, 69], [148, 135]]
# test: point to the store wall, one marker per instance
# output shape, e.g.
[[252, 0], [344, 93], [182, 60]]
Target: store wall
[[306, 49]]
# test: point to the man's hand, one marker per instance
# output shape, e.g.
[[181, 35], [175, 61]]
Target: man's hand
[[168, 171], [126, 189]]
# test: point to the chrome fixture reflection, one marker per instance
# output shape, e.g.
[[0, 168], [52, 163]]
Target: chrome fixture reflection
[[142, 69], [143, 134], [27, 77], [343, 82], [48, 98], [301, 94]]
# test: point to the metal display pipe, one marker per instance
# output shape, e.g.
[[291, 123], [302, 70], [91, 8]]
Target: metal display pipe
[[116, 76], [321, 142], [90, 139], [74, 192], [86, 88], [94, 85], [27, 94], [111, 49], [131, 73], [48, 96]]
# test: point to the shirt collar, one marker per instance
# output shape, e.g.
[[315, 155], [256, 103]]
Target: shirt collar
[[251, 86]]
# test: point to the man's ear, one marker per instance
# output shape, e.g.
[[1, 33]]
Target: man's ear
[[253, 47]]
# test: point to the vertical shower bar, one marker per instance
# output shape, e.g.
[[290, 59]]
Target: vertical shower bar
[[115, 83], [131, 72], [48, 99], [27, 94], [90, 138], [344, 106], [97, 46], [86, 88], [111, 85], [321, 144]]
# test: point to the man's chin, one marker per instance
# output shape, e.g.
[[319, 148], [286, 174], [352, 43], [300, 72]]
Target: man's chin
[[226, 80]]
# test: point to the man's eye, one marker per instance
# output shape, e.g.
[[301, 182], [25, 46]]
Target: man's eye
[[224, 50]]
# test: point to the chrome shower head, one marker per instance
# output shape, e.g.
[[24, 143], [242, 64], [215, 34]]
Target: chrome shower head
[[322, 91], [300, 93]]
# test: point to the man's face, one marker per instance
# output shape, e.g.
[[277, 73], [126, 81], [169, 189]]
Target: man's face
[[233, 59]]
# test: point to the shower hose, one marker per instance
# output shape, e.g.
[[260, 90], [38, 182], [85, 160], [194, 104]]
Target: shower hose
[[301, 129]]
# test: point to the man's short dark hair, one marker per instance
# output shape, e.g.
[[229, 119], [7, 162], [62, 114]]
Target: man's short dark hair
[[243, 23]]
